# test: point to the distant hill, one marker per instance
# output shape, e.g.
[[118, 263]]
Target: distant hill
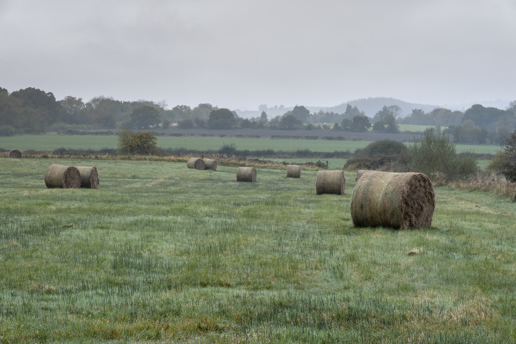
[[372, 105]]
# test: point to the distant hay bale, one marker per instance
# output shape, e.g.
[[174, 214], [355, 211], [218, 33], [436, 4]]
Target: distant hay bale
[[14, 153], [246, 174], [360, 173], [396, 200], [196, 163], [89, 177], [210, 164], [330, 182], [293, 171], [59, 176]]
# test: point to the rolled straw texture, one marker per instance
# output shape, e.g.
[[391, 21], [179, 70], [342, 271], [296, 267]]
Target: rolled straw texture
[[14, 153], [360, 173], [196, 163], [293, 171], [396, 200], [89, 177], [210, 164], [330, 182], [246, 174], [60, 176]]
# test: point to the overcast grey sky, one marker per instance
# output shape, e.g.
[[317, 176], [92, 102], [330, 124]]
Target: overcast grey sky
[[242, 53]]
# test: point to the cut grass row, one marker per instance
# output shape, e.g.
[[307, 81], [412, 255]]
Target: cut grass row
[[160, 252], [51, 142]]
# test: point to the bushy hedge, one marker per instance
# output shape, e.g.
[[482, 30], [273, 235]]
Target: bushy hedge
[[386, 155]]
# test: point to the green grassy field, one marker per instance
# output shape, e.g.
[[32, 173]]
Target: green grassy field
[[333, 164], [51, 142], [163, 253], [415, 128]]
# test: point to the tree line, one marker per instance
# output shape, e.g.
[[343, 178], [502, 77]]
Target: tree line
[[32, 110]]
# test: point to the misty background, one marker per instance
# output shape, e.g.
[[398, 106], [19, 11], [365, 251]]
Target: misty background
[[240, 54]]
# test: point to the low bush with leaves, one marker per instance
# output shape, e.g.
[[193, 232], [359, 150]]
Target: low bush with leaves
[[386, 155], [435, 155], [142, 142]]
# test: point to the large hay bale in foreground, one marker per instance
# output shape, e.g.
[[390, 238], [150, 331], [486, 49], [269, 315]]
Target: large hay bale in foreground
[[293, 171], [210, 164], [360, 173], [196, 163], [330, 182], [246, 174], [89, 177], [60, 176], [14, 153], [397, 200]]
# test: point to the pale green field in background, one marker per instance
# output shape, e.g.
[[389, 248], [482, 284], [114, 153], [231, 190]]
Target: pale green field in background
[[415, 128], [51, 142]]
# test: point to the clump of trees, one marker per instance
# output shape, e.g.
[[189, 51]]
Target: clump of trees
[[222, 119], [359, 123], [385, 119], [435, 155]]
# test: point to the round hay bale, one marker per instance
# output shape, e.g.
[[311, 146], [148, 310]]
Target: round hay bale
[[14, 153], [246, 174], [293, 171], [196, 163], [89, 177], [360, 173], [60, 176], [330, 182], [396, 200], [210, 164]]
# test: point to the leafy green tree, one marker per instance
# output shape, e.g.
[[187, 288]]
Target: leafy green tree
[[352, 111], [468, 133], [203, 111], [179, 113], [145, 117], [11, 110], [360, 123], [222, 119], [301, 113], [289, 122], [103, 111], [74, 109], [484, 117], [263, 116], [43, 102], [385, 119], [38, 109], [347, 124]]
